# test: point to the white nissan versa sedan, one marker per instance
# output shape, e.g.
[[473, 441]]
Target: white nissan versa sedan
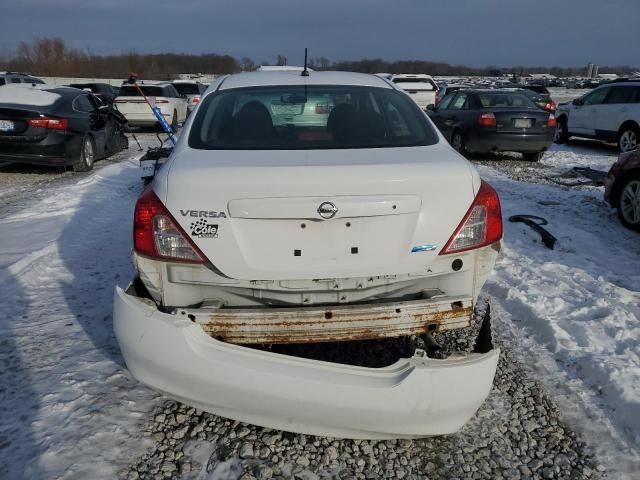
[[305, 209]]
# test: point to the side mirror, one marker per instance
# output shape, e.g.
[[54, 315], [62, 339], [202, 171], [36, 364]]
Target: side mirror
[[577, 101], [431, 108]]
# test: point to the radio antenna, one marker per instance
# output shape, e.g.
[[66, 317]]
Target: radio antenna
[[305, 72]]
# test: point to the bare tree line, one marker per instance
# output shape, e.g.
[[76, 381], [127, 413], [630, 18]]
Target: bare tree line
[[52, 57]]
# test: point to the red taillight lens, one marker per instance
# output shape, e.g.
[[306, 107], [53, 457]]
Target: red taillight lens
[[50, 123], [156, 234], [487, 119], [481, 226], [550, 106], [196, 99], [551, 121]]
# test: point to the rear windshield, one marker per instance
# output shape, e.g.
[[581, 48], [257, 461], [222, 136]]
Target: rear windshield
[[505, 100], [186, 88], [315, 117], [149, 91], [422, 83]]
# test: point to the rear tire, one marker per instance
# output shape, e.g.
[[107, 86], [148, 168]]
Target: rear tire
[[629, 202], [87, 156], [562, 134], [457, 142], [628, 138], [532, 157]]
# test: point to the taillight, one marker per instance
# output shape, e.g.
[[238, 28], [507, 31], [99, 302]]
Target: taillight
[[50, 123], [481, 226], [551, 121], [196, 99], [156, 234], [487, 119], [550, 106]]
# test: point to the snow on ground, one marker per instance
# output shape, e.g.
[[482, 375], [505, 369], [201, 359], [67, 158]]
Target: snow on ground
[[576, 309], [580, 153], [69, 408]]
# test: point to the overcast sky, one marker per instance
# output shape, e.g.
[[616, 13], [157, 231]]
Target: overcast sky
[[471, 32]]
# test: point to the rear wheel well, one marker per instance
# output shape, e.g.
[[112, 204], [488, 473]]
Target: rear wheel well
[[617, 187], [627, 124]]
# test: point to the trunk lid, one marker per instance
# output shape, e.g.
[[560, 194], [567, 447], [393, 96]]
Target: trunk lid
[[136, 105], [285, 215], [510, 120], [14, 125]]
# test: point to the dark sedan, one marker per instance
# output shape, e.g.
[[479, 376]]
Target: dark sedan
[[49, 125], [482, 121], [622, 188]]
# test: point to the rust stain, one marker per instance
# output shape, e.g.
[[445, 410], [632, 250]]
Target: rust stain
[[312, 325]]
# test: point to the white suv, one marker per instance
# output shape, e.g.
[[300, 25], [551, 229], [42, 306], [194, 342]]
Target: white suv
[[264, 227], [610, 112], [421, 88], [172, 105]]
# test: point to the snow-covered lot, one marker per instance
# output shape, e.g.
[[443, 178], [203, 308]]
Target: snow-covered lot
[[568, 321]]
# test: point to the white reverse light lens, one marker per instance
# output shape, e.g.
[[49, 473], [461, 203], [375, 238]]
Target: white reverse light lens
[[169, 240], [473, 231]]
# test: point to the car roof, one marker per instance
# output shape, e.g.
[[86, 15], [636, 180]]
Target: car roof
[[288, 77], [411, 75]]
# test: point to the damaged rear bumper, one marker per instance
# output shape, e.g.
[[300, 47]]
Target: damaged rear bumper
[[414, 397]]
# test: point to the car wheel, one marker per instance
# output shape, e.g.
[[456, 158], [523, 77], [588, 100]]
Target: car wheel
[[562, 135], [174, 122], [87, 156], [628, 138], [533, 157], [629, 203], [457, 142]]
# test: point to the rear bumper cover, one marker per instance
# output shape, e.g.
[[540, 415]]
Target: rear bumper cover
[[479, 141], [414, 397]]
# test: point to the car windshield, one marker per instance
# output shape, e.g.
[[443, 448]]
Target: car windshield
[[505, 100], [186, 88], [132, 91], [309, 117]]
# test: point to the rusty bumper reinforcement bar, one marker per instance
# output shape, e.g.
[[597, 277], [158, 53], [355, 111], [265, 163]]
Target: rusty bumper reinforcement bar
[[333, 323]]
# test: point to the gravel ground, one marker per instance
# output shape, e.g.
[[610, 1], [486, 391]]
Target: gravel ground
[[19, 183], [556, 166], [517, 434]]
